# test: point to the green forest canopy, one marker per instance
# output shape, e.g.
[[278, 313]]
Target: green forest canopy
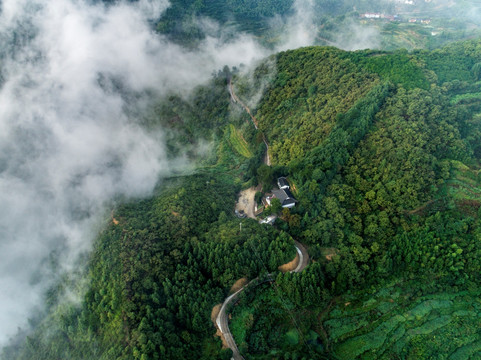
[[383, 149]]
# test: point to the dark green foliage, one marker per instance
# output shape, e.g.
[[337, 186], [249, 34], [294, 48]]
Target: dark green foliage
[[270, 325], [157, 274], [180, 19], [192, 120], [378, 191], [276, 206], [312, 86], [305, 289], [455, 61], [398, 67]]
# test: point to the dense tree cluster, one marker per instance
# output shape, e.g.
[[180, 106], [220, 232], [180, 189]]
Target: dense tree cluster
[[179, 23], [361, 179], [158, 272]]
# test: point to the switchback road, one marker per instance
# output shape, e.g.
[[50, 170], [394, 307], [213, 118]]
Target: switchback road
[[222, 319]]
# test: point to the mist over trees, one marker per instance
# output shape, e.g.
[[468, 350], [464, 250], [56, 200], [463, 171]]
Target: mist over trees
[[120, 173]]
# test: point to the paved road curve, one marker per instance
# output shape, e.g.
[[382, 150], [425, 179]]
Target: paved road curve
[[223, 325], [303, 257], [223, 317]]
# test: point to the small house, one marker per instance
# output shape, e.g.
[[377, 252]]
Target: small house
[[282, 183], [285, 197], [283, 194]]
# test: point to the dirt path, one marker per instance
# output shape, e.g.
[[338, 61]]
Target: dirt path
[[420, 208], [236, 100]]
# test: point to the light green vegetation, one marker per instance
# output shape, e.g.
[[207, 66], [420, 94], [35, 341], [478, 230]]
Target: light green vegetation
[[466, 97], [238, 142], [464, 186], [292, 337]]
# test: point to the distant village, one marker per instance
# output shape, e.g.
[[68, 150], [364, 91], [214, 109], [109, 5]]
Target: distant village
[[380, 16], [387, 17]]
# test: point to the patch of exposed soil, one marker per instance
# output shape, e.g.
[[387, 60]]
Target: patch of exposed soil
[[328, 253], [246, 202], [238, 285], [290, 266]]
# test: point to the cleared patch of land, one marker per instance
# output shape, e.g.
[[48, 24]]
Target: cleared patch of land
[[239, 284], [291, 265], [246, 202], [238, 143]]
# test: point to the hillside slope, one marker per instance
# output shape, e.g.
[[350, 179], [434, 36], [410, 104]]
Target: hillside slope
[[387, 181]]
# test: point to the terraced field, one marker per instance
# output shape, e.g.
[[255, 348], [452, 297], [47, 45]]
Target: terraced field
[[464, 187], [397, 323], [238, 142]]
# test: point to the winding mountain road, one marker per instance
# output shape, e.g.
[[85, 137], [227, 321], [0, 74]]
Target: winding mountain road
[[303, 257], [222, 322], [222, 319]]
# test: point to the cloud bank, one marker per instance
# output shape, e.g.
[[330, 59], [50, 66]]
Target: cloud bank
[[68, 145], [353, 36]]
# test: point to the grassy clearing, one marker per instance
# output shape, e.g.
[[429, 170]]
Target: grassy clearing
[[238, 142]]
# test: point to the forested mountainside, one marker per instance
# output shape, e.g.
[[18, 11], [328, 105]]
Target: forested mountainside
[[347, 24], [381, 150]]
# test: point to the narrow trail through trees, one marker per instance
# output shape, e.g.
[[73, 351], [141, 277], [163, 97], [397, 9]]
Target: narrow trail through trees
[[235, 99]]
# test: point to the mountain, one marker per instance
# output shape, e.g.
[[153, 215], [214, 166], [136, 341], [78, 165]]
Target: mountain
[[381, 150]]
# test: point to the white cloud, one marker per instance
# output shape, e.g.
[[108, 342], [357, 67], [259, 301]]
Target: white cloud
[[67, 146], [353, 36], [300, 29]]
